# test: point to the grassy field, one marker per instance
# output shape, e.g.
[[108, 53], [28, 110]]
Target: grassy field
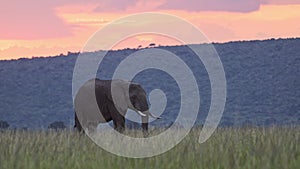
[[228, 148]]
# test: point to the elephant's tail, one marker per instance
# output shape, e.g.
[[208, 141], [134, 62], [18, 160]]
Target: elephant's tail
[[77, 123]]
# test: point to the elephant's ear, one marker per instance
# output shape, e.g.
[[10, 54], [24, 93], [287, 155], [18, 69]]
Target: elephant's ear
[[134, 89], [120, 95], [119, 87]]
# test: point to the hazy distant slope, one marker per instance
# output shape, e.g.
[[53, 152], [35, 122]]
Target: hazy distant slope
[[36, 91], [262, 81]]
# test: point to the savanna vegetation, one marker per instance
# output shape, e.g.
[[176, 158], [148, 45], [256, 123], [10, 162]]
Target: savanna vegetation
[[249, 147]]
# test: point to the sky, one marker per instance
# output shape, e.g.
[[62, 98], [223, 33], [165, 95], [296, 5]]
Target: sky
[[47, 28]]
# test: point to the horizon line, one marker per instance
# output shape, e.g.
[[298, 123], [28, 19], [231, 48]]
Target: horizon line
[[149, 46]]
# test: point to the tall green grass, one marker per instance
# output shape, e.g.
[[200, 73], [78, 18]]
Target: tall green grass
[[274, 147]]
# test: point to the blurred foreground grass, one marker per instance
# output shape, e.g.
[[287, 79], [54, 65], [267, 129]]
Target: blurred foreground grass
[[274, 147]]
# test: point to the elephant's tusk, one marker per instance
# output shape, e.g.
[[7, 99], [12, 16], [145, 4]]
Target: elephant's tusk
[[140, 113]]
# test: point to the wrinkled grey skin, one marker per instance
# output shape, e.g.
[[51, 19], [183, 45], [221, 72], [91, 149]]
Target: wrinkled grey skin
[[94, 104]]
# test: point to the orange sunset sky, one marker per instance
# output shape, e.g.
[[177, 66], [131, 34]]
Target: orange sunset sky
[[45, 28]]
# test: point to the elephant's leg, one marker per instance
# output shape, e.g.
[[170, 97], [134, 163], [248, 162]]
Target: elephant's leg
[[119, 121], [77, 124], [145, 120], [117, 117]]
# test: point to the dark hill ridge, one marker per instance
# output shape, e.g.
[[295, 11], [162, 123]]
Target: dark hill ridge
[[262, 85]]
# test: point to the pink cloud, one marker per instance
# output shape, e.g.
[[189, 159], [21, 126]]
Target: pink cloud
[[31, 19], [37, 19], [281, 2], [212, 5], [115, 5]]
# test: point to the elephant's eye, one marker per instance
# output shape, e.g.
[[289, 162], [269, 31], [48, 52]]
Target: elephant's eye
[[133, 97]]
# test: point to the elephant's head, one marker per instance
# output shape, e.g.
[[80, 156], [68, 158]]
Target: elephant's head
[[138, 99]]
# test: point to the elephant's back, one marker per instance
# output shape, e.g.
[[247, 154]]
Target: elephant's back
[[94, 85]]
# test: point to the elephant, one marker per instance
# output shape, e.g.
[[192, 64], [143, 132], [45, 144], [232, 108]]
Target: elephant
[[100, 101]]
